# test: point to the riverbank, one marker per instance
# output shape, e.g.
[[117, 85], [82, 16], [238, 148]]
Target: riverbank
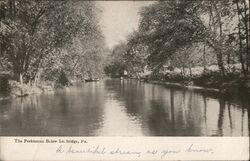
[[136, 104], [16, 89], [180, 85], [10, 88], [211, 81]]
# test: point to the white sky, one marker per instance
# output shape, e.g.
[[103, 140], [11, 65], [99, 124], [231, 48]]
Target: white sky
[[119, 18]]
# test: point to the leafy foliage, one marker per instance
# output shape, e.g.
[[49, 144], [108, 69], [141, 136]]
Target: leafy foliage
[[184, 34], [42, 38]]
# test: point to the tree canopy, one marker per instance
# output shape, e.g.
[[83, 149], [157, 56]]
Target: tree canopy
[[49, 36], [188, 33]]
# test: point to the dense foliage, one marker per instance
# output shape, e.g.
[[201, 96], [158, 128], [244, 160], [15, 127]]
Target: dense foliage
[[42, 39], [184, 34]]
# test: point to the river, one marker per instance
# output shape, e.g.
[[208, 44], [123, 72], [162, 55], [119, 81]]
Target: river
[[113, 107]]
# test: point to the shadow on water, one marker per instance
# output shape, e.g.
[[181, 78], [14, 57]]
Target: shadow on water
[[125, 108], [221, 117], [162, 121], [66, 113], [179, 112]]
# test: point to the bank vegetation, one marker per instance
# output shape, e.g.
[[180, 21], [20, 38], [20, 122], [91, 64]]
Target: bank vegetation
[[196, 42], [48, 43]]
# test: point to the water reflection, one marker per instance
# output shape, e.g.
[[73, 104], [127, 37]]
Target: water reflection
[[125, 108]]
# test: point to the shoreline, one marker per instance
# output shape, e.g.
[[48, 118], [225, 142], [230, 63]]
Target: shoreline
[[236, 87], [181, 85], [19, 91]]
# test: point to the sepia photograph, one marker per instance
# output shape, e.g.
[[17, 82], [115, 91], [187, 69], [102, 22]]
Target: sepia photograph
[[124, 80], [171, 68]]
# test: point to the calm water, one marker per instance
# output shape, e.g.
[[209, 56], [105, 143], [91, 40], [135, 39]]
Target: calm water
[[124, 108]]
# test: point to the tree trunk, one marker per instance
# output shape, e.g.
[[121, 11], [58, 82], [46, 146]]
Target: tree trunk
[[244, 71], [190, 71], [220, 63], [21, 78], [37, 77], [183, 71], [246, 23], [228, 59], [204, 58], [219, 45]]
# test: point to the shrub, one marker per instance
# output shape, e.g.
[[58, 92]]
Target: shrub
[[63, 80], [4, 85]]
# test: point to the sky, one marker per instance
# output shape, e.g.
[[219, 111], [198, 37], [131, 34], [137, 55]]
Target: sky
[[119, 19]]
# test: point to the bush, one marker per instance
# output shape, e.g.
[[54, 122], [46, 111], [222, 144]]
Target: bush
[[175, 77], [63, 80], [4, 85]]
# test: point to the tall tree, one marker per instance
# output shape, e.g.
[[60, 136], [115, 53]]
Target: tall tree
[[36, 31], [243, 34], [168, 26]]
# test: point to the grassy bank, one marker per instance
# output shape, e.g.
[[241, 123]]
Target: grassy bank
[[10, 88]]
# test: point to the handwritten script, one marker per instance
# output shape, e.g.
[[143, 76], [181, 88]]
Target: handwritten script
[[116, 150], [127, 148], [83, 147]]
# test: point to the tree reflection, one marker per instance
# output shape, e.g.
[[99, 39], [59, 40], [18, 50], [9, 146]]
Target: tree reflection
[[172, 110], [140, 108], [221, 117], [230, 117], [159, 122], [205, 111]]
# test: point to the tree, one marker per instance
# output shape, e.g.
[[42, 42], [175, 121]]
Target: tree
[[34, 32], [136, 54], [243, 34], [116, 61], [168, 26]]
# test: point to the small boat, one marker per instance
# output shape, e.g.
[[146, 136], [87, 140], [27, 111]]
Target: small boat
[[92, 80]]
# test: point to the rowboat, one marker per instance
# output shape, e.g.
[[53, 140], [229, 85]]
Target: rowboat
[[92, 80]]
